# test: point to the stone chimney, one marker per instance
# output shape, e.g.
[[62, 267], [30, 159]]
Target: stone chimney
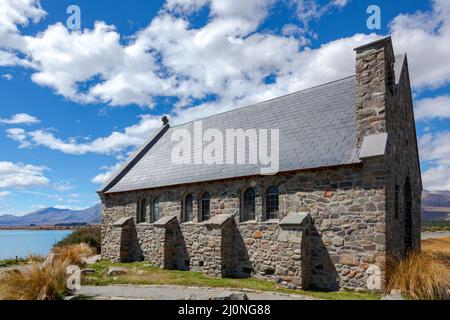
[[375, 82]]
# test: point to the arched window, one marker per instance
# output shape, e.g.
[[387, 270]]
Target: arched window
[[248, 205], [205, 206], [272, 203], [187, 208], [155, 210], [141, 211]]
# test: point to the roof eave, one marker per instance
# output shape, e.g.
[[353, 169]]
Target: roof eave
[[132, 160], [346, 164]]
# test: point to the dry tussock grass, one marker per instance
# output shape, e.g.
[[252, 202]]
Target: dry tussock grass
[[37, 282], [45, 281], [74, 254], [425, 275], [437, 245]]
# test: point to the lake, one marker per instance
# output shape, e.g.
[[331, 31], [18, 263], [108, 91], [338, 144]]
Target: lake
[[21, 243]]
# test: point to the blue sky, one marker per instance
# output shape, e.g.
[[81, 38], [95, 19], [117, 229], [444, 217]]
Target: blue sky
[[75, 104]]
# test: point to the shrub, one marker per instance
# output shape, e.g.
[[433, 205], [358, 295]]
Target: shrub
[[74, 254], [37, 282], [89, 235], [12, 262], [422, 276]]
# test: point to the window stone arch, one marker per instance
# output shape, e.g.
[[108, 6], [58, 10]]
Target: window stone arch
[[248, 205]]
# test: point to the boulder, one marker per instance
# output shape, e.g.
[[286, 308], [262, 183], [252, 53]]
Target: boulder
[[87, 271], [114, 271], [93, 259]]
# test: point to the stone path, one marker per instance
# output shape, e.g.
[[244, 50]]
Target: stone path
[[131, 292], [435, 235]]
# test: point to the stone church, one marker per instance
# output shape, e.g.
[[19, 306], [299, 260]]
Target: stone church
[[346, 196]]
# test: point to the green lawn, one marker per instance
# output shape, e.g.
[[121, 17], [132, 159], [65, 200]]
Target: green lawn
[[433, 226], [141, 273], [12, 262]]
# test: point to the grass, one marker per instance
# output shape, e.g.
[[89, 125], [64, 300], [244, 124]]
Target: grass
[[20, 261], [12, 262], [74, 254], [434, 226], [437, 245], [425, 275], [44, 281], [90, 235], [140, 273], [37, 282]]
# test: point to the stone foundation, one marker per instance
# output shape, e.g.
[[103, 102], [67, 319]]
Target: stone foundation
[[269, 251]]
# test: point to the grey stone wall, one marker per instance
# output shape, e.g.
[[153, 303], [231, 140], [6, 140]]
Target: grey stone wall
[[204, 248], [347, 234], [402, 158], [386, 106]]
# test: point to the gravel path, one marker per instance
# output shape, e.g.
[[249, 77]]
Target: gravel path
[[131, 292], [19, 268], [433, 235]]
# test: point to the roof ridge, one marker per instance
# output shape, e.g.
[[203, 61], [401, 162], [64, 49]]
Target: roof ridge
[[265, 101]]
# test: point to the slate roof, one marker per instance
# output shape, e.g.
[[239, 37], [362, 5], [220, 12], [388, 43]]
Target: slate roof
[[317, 129]]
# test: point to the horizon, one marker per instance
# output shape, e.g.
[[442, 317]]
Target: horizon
[[62, 208], [93, 96]]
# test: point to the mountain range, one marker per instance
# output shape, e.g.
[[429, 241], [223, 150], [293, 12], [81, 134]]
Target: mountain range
[[436, 206], [53, 216]]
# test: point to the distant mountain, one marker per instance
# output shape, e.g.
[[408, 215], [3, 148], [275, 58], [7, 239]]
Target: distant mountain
[[436, 205], [52, 216]]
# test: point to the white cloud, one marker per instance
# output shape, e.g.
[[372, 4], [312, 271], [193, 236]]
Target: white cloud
[[425, 36], [7, 76], [20, 118], [309, 10], [435, 151], [19, 12], [72, 208], [437, 107], [102, 178], [226, 57], [115, 143], [435, 146], [341, 3], [4, 194], [14, 175], [64, 186], [185, 6], [238, 92], [74, 195], [14, 13], [19, 135], [10, 59], [52, 196], [64, 58], [437, 178]]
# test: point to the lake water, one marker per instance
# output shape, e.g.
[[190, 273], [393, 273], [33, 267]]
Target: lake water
[[21, 243]]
